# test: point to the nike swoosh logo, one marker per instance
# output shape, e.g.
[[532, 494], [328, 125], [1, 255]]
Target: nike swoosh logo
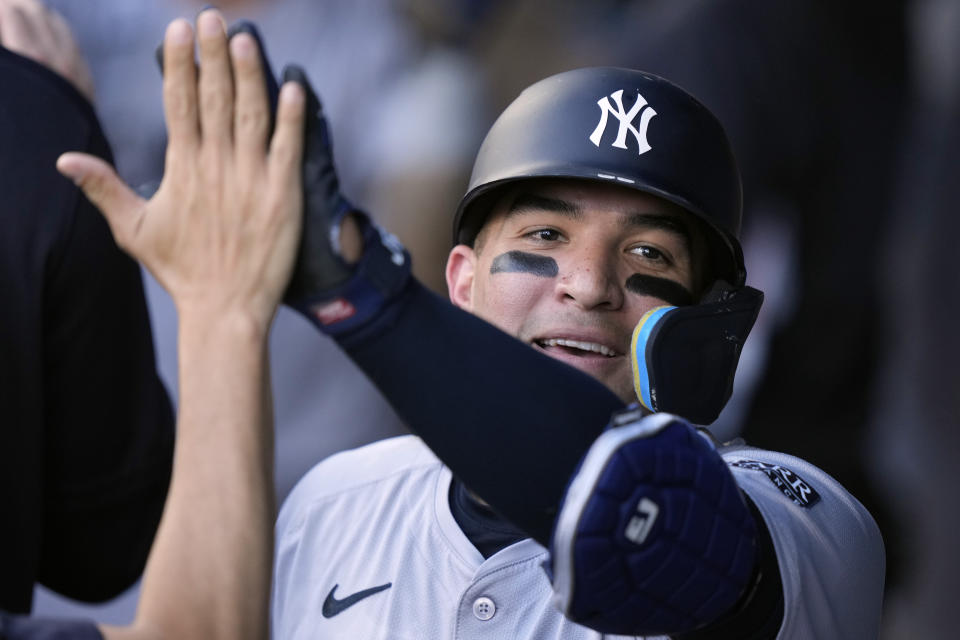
[[332, 606]]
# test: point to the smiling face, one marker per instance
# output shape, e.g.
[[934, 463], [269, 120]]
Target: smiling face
[[570, 267]]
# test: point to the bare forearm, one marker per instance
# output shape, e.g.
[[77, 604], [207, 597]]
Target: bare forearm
[[209, 573], [220, 235]]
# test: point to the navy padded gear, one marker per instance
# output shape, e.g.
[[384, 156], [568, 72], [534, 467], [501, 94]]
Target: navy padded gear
[[654, 536]]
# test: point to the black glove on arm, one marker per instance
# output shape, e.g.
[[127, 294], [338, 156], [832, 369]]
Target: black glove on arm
[[339, 298]]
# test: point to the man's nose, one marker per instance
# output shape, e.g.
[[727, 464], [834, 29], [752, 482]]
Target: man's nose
[[591, 282]]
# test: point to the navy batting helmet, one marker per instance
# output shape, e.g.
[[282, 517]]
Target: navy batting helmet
[[621, 126]]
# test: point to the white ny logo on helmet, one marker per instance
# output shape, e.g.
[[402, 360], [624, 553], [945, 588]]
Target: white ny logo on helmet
[[626, 121]]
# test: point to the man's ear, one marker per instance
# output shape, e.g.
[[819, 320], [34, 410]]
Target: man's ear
[[461, 266]]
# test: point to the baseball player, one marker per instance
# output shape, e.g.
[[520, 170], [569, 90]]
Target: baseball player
[[599, 230], [617, 260]]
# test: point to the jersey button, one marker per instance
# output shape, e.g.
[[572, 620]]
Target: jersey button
[[484, 608]]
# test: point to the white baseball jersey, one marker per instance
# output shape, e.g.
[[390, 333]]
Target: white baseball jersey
[[367, 548]]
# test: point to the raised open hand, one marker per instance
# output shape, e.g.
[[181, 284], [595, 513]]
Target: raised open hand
[[221, 232]]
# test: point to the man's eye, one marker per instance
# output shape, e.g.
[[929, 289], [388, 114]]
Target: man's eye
[[650, 253], [547, 235]]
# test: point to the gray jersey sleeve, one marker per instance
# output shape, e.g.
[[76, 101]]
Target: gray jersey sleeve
[[829, 549]]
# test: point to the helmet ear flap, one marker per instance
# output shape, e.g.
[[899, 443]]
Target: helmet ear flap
[[684, 358]]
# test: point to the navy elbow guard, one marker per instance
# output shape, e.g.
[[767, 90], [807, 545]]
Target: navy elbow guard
[[653, 536]]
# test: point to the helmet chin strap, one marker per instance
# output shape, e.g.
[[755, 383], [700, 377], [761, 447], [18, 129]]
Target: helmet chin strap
[[684, 358]]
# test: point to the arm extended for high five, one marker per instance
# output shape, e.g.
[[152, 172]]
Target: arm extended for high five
[[219, 235]]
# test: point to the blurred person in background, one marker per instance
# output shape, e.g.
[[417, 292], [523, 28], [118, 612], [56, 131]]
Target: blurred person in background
[[87, 429]]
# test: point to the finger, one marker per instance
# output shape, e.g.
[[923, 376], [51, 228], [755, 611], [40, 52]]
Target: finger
[[39, 17], [58, 31], [216, 80], [72, 62], [286, 146], [18, 33], [104, 188], [61, 38], [180, 86], [59, 27], [4, 23], [270, 81], [252, 121]]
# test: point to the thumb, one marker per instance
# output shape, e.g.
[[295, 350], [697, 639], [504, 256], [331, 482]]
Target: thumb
[[104, 188]]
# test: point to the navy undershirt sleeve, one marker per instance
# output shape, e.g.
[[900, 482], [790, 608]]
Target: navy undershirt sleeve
[[510, 422]]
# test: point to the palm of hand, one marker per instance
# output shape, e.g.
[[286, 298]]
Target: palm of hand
[[222, 230]]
